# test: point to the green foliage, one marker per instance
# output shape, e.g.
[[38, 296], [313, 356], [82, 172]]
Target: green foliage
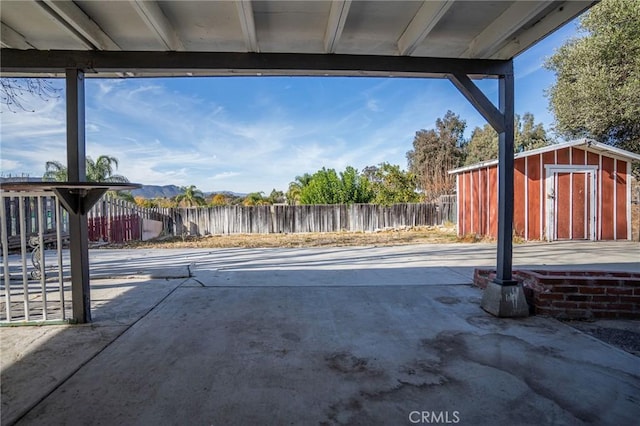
[[597, 92], [323, 188], [219, 200], [391, 185], [353, 187], [254, 199], [55, 171], [276, 197], [326, 187], [483, 144], [100, 170], [528, 134], [190, 197], [144, 202], [295, 188], [435, 152], [126, 195]]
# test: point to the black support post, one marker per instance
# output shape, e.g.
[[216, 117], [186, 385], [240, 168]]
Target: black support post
[[76, 167], [504, 297], [505, 181]]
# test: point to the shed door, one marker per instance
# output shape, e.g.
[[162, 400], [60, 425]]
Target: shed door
[[570, 204]]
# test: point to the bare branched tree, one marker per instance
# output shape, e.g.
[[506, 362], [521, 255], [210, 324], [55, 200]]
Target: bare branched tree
[[15, 92]]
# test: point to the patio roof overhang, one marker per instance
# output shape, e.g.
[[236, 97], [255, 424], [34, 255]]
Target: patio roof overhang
[[456, 39], [452, 29]]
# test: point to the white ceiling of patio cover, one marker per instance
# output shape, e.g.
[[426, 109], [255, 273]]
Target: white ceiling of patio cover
[[446, 29]]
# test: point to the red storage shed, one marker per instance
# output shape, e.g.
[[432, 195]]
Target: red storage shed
[[574, 190]]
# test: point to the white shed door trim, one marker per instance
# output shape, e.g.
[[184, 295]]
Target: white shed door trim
[[551, 179]]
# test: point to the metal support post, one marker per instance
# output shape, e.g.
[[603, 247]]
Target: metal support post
[[504, 297], [505, 181], [76, 166]]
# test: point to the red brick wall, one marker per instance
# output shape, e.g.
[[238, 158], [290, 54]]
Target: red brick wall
[[577, 294]]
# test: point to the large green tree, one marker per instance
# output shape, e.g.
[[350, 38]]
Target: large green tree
[[597, 92], [327, 187], [391, 185], [435, 152], [483, 144]]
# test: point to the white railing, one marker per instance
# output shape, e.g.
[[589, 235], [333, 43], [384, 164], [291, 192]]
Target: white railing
[[33, 280]]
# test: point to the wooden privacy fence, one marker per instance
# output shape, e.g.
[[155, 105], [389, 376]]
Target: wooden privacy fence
[[115, 220], [116, 229], [307, 218]]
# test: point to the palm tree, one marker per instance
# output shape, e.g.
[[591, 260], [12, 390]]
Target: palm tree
[[55, 171], [295, 188], [100, 170], [191, 196], [254, 199]]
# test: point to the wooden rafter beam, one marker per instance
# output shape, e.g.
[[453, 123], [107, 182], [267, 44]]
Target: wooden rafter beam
[[335, 24], [80, 23], [12, 39], [64, 25], [157, 21], [561, 14], [499, 31], [422, 24], [247, 22]]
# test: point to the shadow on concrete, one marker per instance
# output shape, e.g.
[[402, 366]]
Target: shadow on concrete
[[36, 360], [265, 341]]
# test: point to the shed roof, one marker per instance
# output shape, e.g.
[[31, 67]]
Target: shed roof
[[587, 144]]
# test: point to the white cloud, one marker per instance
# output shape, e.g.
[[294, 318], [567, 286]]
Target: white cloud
[[107, 85], [373, 105], [8, 166], [224, 175], [254, 142]]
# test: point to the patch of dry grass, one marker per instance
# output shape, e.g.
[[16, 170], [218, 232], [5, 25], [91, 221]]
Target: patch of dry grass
[[415, 235]]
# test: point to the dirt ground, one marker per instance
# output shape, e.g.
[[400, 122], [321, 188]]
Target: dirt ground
[[623, 334], [412, 235], [416, 235]]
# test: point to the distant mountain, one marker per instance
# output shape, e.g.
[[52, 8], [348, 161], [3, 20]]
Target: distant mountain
[[147, 191], [7, 179], [170, 191], [157, 191]]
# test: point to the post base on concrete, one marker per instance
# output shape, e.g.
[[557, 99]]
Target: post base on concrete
[[506, 301]]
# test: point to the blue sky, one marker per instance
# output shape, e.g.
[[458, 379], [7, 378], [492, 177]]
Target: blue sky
[[247, 134]]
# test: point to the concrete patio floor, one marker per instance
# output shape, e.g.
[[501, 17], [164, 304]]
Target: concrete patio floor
[[361, 335]]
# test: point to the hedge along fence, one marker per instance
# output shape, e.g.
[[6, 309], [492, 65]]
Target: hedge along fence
[[307, 218]]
